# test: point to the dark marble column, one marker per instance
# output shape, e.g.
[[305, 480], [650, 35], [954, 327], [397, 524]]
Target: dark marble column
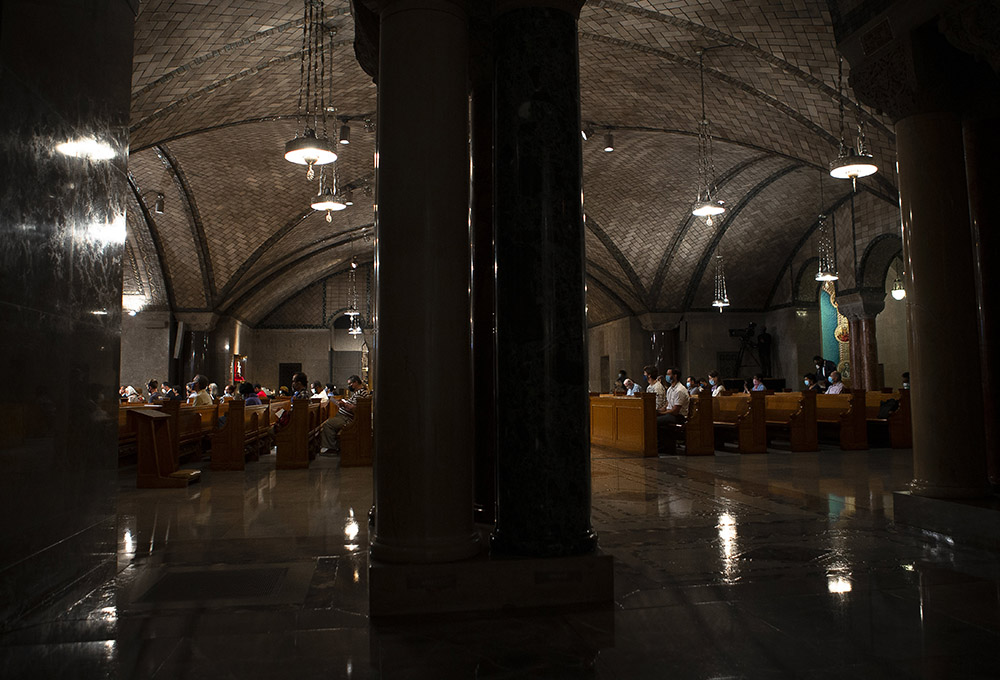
[[423, 387], [65, 74], [543, 450], [861, 307], [483, 288], [982, 148], [940, 300]]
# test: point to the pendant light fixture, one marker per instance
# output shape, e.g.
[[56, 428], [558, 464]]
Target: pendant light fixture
[[609, 142], [352, 290], [898, 291], [851, 162], [827, 247], [312, 147], [327, 199], [721, 297], [706, 205]]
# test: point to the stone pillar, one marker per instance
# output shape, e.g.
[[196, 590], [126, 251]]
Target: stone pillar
[[543, 449], [423, 387], [861, 307], [196, 354], [981, 136], [948, 434]]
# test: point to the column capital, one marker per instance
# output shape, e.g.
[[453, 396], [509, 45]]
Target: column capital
[[861, 303], [571, 7], [198, 321], [384, 7]]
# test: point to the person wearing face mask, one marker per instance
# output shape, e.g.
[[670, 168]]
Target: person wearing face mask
[[715, 383], [758, 384], [810, 383], [677, 399], [655, 386], [836, 387], [693, 386]]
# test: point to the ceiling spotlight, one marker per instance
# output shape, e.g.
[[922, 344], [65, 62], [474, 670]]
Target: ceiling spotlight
[[609, 142], [158, 205], [349, 196], [345, 134], [354, 262]]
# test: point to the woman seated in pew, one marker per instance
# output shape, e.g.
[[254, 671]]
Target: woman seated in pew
[[758, 384], [811, 384], [249, 394], [715, 383]]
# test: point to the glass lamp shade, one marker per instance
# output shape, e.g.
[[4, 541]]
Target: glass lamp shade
[[898, 292], [355, 330], [720, 303], [327, 202], [707, 208], [309, 150], [352, 312], [852, 166], [827, 276]]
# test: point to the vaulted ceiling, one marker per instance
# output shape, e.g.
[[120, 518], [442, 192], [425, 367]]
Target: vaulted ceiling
[[214, 96]]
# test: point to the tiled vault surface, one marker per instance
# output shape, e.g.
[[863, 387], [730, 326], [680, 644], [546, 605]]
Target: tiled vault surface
[[215, 93]]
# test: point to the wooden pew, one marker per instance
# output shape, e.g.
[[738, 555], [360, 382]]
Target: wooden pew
[[744, 416], [697, 431], [246, 434], [299, 440], [794, 412], [899, 423], [846, 413], [190, 427], [156, 466], [625, 423], [356, 445], [127, 442]]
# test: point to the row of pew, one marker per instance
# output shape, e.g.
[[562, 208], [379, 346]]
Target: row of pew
[[161, 435], [749, 422]]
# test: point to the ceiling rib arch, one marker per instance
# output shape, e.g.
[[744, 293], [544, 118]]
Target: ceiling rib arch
[[699, 272], [154, 234], [626, 266]]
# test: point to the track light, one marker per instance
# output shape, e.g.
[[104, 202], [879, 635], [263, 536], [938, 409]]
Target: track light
[[609, 142], [345, 134], [158, 205]]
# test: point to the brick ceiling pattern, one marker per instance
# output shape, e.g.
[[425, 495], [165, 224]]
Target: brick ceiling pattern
[[215, 90]]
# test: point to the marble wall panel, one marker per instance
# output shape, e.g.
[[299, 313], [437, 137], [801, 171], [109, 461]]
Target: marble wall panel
[[62, 229]]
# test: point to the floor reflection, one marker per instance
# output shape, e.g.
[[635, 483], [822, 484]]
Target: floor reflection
[[764, 566]]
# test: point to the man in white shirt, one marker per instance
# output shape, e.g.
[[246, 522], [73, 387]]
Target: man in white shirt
[[675, 409], [631, 389], [836, 387]]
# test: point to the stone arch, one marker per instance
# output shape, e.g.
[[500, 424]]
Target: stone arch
[[877, 258]]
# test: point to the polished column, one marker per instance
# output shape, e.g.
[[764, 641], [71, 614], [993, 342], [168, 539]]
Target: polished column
[[948, 434], [423, 387], [860, 307], [981, 136], [543, 449]]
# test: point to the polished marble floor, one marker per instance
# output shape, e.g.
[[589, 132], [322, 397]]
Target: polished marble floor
[[770, 566]]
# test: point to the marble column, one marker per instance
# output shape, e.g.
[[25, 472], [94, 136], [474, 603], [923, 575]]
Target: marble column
[[483, 288], [981, 137], [861, 307], [65, 75], [196, 356], [543, 443], [423, 387], [948, 434]]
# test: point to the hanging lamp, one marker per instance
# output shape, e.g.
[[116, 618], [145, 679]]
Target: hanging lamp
[[327, 199], [898, 291], [827, 270], [352, 291], [721, 297], [312, 147], [705, 205], [851, 163]]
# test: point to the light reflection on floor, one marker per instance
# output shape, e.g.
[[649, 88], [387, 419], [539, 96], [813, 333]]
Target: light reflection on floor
[[765, 566]]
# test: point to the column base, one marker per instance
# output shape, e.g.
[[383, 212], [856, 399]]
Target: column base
[[926, 489], [489, 584], [424, 552], [502, 544], [976, 522]]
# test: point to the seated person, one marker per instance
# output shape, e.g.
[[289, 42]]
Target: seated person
[[631, 389], [655, 386], [200, 395], [713, 381], [153, 395], [810, 382], [345, 414], [319, 391], [249, 394], [836, 387], [758, 383], [693, 386], [300, 386], [675, 408]]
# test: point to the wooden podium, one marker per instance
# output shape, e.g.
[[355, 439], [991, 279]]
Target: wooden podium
[[157, 466]]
